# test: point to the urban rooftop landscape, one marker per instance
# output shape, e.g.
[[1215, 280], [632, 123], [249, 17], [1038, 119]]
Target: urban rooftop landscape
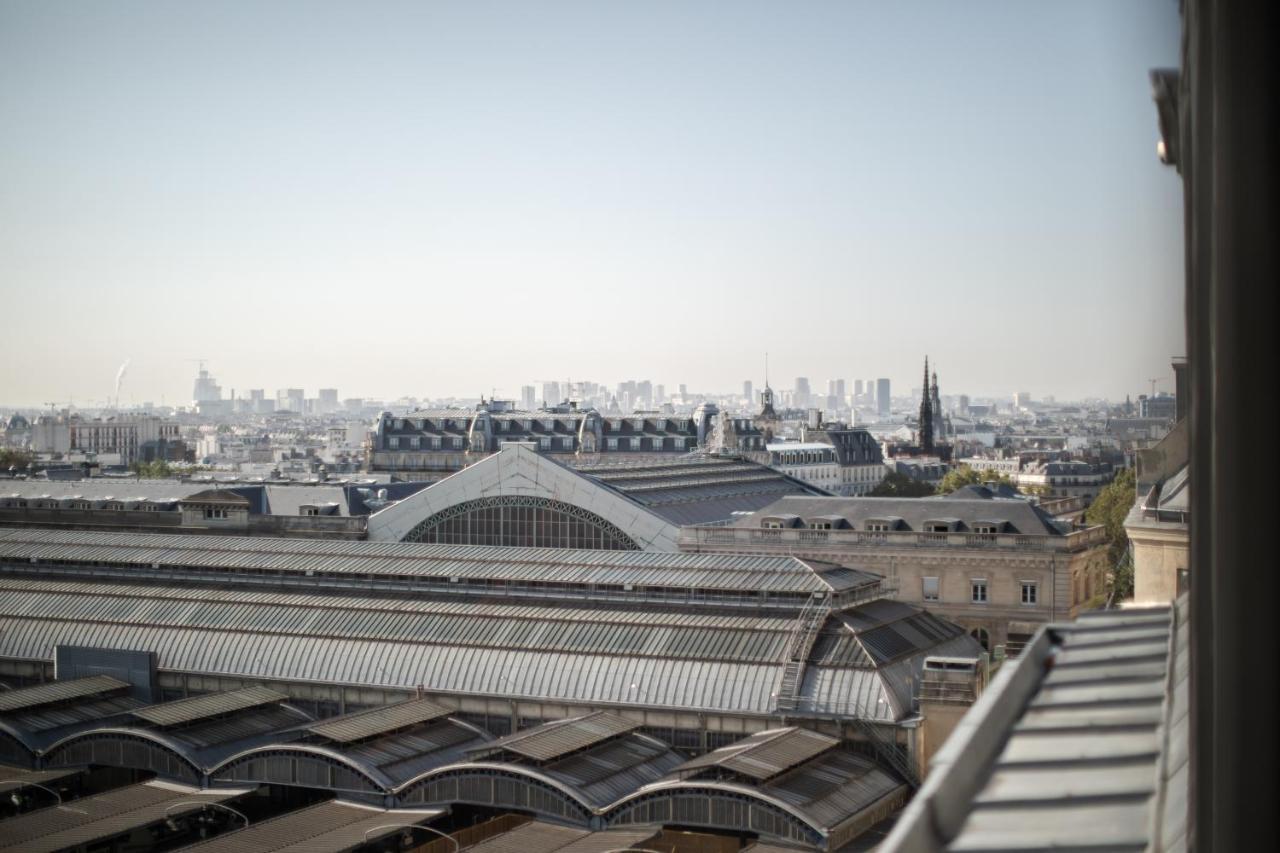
[[942, 312]]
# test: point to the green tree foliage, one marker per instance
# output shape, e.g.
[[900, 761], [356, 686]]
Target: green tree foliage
[[965, 475], [157, 470], [897, 485], [11, 457], [1109, 509]]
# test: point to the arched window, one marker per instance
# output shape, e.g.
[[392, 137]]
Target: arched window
[[521, 521]]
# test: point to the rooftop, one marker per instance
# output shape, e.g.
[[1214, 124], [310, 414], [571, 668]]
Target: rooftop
[[1073, 746]]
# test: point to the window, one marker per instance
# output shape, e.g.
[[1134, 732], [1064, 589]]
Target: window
[[545, 442], [984, 528], [1030, 592], [657, 444], [457, 442], [612, 443], [414, 442], [878, 526], [567, 443], [930, 590], [978, 590], [819, 525], [635, 444], [393, 442]]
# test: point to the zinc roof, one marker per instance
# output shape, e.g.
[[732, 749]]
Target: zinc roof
[[104, 815], [534, 837], [210, 705], [25, 698], [13, 778], [1064, 748], [329, 827], [440, 562], [764, 754], [560, 737], [376, 721]]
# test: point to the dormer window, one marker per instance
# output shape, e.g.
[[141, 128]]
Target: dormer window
[[984, 528], [772, 524], [878, 526], [819, 525], [937, 527]]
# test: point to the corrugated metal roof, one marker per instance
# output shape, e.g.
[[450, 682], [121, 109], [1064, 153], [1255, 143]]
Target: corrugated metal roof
[[1063, 749], [104, 815], [607, 772], [209, 705], [24, 698], [536, 837], [12, 778], [329, 827], [560, 737], [375, 721], [611, 839], [764, 754], [539, 566]]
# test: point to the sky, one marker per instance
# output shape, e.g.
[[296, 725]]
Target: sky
[[438, 199]]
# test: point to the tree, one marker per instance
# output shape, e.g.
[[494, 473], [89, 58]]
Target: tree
[[157, 470], [966, 475], [1109, 510], [14, 458], [898, 485]]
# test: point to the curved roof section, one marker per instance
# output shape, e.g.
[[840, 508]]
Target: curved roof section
[[455, 565], [603, 656], [824, 792], [695, 488]]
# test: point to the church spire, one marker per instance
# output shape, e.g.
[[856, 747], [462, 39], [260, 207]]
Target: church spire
[[926, 413]]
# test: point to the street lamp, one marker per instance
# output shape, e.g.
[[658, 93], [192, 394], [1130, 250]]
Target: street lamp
[[173, 824], [449, 838], [16, 798]]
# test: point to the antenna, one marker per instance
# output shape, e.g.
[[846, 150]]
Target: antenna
[[766, 370], [1153, 384]]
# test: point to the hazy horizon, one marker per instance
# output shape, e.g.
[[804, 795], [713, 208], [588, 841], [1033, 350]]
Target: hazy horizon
[[434, 200]]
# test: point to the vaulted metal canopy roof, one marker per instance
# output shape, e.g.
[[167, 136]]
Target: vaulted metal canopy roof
[[376, 721]]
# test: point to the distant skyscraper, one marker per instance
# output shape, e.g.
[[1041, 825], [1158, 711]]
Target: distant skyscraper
[[684, 391], [207, 389], [550, 393], [802, 395], [748, 391], [882, 396], [857, 391], [327, 400], [659, 394], [528, 398], [290, 399]]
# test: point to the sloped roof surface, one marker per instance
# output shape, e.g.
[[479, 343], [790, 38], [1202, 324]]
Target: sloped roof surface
[[209, 705], [1022, 516], [375, 721], [25, 698], [560, 737]]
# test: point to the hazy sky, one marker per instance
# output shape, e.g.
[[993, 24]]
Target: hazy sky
[[434, 198]]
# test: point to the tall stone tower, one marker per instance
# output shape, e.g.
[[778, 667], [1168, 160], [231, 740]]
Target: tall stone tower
[[926, 413]]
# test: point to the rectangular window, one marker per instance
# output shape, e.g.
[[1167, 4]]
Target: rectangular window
[[393, 443], [1030, 592], [978, 590], [545, 442], [657, 444], [612, 443], [930, 588]]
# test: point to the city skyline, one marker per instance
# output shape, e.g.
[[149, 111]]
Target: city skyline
[[360, 198]]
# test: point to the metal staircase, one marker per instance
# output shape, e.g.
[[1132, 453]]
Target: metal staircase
[[810, 621], [887, 751]]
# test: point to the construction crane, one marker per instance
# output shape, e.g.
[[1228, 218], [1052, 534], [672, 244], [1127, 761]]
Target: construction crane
[[1153, 384], [199, 361]]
